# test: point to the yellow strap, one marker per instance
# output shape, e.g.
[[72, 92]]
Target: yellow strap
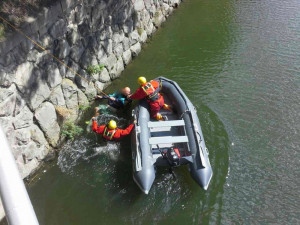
[[49, 53], [106, 133], [143, 87]]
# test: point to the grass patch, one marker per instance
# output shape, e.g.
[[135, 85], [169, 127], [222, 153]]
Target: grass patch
[[94, 69], [63, 112], [70, 130], [140, 30], [157, 14], [2, 32], [84, 107]]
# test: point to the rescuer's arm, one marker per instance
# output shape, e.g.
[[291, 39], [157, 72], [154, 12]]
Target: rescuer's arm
[[126, 131], [97, 129], [139, 94]]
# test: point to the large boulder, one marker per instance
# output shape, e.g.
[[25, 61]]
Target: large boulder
[[32, 84], [69, 90], [118, 37], [110, 62], [88, 58], [134, 37], [7, 126], [20, 104], [76, 52], [57, 97], [23, 75], [23, 119], [90, 91], [72, 35], [22, 137], [136, 49], [126, 43], [101, 54], [127, 57], [83, 80], [7, 76], [117, 70], [70, 73], [38, 137], [108, 46], [52, 75], [118, 49], [46, 117], [36, 97], [128, 26], [166, 9], [149, 28], [58, 29], [104, 34], [7, 100], [41, 145], [139, 5], [27, 168], [82, 99], [159, 18], [62, 49], [143, 36], [104, 76]]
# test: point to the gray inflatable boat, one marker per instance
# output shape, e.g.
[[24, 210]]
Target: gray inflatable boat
[[178, 141]]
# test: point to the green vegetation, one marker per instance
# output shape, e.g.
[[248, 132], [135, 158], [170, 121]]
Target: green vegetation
[[94, 69], [1, 32], [70, 130], [157, 14], [140, 30], [84, 107]]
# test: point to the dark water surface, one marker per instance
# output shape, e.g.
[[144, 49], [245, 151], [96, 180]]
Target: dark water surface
[[239, 63]]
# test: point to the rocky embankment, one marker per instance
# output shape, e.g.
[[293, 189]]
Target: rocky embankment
[[38, 94]]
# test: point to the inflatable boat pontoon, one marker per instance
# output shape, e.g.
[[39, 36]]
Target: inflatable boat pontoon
[[178, 141]]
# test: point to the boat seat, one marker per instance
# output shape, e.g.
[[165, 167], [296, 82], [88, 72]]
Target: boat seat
[[169, 123], [168, 140]]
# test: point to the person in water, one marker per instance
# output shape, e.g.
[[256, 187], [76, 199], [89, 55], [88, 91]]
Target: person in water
[[116, 101], [110, 131], [150, 91]]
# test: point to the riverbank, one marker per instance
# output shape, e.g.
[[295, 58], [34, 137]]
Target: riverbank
[[38, 95]]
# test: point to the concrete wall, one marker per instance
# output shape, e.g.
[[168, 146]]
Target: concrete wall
[[37, 93]]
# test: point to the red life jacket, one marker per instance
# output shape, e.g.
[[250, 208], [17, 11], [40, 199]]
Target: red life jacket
[[152, 93], [108, 134]]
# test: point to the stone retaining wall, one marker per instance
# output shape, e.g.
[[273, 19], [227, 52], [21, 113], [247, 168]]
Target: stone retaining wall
[[37, 93]]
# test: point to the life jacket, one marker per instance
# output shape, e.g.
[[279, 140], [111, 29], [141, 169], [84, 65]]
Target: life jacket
[[152, 93], [108, 134]]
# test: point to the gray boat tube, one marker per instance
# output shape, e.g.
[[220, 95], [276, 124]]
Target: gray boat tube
[[143, 166], [200, 168], [143, 163]]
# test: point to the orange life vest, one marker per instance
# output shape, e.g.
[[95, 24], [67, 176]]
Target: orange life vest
[[152, 93], [108, 134]]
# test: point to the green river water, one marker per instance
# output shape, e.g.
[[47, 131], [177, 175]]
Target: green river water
[[239, 63]]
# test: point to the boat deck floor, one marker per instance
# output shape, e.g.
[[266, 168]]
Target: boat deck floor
[[171, 133]]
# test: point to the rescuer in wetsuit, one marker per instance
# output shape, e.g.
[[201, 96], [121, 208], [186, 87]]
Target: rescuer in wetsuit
[[150, 91], [110, 131]]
